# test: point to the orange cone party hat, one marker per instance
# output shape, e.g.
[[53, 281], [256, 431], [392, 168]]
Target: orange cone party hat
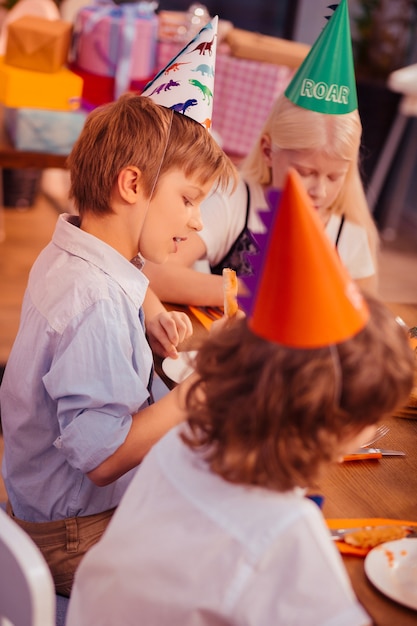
[[305, 297], [186, 84]]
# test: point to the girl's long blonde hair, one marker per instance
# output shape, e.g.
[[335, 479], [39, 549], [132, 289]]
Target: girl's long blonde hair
[[291, 127]]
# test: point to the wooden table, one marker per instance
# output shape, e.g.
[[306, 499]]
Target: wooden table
[[10, 158], [386, 488]]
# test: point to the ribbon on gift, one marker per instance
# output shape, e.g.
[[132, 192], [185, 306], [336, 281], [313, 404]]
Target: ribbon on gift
[[122, 35]]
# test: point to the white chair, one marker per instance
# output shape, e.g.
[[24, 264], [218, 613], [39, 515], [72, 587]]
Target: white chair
[[27, 593]]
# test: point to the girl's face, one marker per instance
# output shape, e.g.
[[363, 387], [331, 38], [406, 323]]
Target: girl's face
[[172, 215], [323, 176]]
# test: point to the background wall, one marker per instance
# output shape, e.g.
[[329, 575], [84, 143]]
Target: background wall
[[310, 18], [301, 20], [265, 16]]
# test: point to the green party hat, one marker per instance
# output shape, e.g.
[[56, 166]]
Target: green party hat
[[325, 81]]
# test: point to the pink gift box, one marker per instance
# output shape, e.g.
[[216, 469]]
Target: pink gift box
[[116, 41], [244, 92], [166, 51]]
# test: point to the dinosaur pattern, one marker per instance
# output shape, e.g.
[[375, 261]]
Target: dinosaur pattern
[[174, 67], [204, 46], [174, 87], [165, 87], [207, 93], [205, 70], [181, 107]]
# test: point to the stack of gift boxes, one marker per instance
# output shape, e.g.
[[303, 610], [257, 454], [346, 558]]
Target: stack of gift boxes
[[41, 96], [54, 72]]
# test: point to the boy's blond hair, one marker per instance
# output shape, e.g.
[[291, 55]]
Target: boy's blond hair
[[135, 131], [274, 416]]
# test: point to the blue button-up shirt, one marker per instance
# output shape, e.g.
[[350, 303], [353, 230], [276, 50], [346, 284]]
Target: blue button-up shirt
[[78, 370]]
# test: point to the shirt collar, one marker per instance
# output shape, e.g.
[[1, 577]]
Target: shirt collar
[[69, 237]]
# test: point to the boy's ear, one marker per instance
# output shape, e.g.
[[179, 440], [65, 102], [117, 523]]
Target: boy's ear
[[129, 183]]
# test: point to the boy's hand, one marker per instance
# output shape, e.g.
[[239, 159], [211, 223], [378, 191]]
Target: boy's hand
[[166, 331]]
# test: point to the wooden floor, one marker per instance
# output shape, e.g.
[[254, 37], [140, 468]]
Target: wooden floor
[[25, 234]]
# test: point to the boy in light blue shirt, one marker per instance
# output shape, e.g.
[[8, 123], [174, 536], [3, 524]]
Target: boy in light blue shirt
[[77, 410]]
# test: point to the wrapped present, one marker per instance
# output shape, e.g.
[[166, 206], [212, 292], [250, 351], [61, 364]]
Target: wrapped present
[[256, 47], [239, 120], [167, 50], [60, 91], [172, 26], [36, 43], [117, 41], [43, 130], [43, 8], [99, 90]]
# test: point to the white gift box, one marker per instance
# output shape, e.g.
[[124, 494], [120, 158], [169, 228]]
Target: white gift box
[[41, 130]]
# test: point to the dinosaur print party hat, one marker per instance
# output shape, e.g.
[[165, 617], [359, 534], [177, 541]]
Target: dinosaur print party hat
[[325, 81], [304, 297], [186, 84]]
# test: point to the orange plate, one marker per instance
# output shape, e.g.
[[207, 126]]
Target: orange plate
[[345, 548]]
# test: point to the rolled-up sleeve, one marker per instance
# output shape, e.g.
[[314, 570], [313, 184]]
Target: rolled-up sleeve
[[97, 382]]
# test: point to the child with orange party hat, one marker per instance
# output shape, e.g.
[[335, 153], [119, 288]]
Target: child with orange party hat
[[315, 128], [77, 405], [215, 528]]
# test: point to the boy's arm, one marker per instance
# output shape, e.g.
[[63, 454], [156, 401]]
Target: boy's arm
[[152, 305], [148, 426], [176, 280]]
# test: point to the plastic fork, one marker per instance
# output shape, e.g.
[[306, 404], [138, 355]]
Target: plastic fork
[[337, 534], [380, 432]]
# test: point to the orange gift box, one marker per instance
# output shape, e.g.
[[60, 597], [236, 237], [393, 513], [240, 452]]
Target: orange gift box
[[60, 91], [36, 43], [256, 47]]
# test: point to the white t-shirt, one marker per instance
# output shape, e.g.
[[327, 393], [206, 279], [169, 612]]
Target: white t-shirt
[[187, 548], [224, 215]]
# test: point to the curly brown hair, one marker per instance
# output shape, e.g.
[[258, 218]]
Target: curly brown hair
[[269, 415], [134, 130]]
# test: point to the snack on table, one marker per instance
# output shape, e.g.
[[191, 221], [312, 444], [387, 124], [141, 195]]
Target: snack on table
[[371, 537], [230, 292]]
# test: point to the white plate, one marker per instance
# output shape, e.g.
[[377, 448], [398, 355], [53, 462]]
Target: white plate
[[392, 568], [178, 369]]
